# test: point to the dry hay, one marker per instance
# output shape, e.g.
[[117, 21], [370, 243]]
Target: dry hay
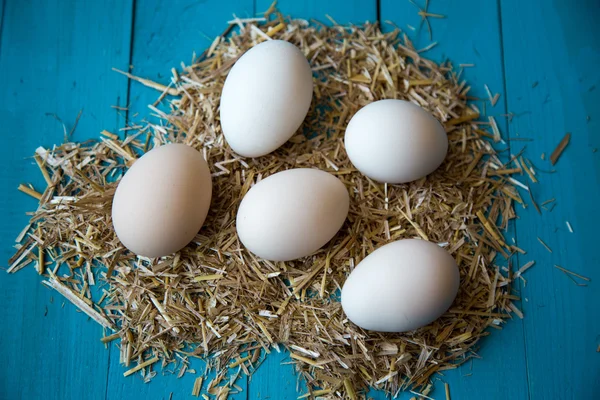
[[214, 299]]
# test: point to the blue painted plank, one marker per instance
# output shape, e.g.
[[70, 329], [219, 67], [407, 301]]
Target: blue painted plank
[[55, 57], [552, 52], [169, 33], [2, 5], [343, 12], [165, 34], [470, 34], [274, 379]]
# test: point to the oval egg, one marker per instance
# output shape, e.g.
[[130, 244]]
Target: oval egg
[[292, 213], [401, 286], [395, 141], [265, 98], [161, 202]]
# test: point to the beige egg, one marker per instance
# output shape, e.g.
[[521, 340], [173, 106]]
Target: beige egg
[[395, 141], [265, 98], [401, 286], [162, 201], [292, 214]]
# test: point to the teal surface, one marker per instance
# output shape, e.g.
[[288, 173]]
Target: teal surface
[[541, 55]]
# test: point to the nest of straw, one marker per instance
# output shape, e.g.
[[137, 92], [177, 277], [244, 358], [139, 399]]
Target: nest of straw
[[215, 300]]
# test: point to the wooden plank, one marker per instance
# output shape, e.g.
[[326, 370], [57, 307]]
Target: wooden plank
[[551, 53], [343, 12], [274, 379], [169, 33], [470, 34], [165, 34], [2, 5], [55, 58]]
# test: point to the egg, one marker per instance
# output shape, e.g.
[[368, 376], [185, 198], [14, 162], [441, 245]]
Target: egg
[[292, 213], [401, 286], [265, 98], [395, 141], [161, 202]]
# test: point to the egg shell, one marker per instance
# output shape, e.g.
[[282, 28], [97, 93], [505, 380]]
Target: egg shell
[[395, 141], [401, 286], [292, 213], [162, 201], [265, 98]]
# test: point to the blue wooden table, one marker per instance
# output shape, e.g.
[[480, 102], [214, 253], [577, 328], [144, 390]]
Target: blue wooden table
[[543, 57]]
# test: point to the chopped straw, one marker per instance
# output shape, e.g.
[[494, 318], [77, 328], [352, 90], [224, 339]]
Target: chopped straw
[[197, 386], [141, 366], [569, 227], [545, 245], [572, 273], [214, 298], [560, 148]]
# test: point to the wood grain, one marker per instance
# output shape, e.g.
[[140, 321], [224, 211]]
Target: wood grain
[[55, 58], [343, 12], [2, 5], [169, 33], [470, 33], [556, 48], [273, 380], [166, 34]]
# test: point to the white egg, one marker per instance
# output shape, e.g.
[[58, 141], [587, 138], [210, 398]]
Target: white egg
[[265, 98], [395, 141], [161, 202], [292, 214], [401, 286]]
